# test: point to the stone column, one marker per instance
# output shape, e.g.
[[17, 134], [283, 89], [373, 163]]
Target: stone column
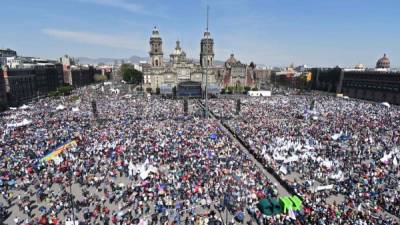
[[340, 84], [6, 81]]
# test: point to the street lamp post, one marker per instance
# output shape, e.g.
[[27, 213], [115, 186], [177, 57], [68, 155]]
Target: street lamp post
[[206, 114], [72, 203], [71, 200]]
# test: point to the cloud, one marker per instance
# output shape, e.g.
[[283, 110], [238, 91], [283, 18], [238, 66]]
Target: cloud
[[121, 4], [95, 38]]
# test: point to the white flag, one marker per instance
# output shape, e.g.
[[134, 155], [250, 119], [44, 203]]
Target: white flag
[[292, 215]]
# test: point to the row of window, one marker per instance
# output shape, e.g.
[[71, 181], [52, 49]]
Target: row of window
[[373, 86]]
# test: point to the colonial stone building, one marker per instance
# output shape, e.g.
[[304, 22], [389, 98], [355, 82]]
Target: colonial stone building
[[21, 85], [371, 85], [83, 75], [166, 74], [236, 74]]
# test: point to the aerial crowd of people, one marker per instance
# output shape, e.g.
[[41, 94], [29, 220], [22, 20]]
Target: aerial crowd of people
[[143, 160], [342, 156], [139, 161]]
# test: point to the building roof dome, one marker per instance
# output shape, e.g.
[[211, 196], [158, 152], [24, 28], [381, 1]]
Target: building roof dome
[[178, 50], [359, 66], [231, 60], [383, 63]]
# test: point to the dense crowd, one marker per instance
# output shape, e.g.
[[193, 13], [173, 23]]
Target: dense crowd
[[142, 160], [340, 155], [139, 161]]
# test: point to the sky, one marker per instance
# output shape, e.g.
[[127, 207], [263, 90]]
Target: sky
[[269, 32]]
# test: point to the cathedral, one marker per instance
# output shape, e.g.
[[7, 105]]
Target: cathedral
[[167, 74]]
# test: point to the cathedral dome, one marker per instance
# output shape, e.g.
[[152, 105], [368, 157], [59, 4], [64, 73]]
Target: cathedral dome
[[177, 52], [178, 49], [231, 60], [383, 63]]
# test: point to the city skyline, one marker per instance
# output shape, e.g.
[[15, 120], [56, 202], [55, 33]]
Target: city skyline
[[266, 32]]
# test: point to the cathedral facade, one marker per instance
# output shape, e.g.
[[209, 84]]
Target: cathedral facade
[[161, 73]]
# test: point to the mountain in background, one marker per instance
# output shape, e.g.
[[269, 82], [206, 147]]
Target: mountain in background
[[110, 61]]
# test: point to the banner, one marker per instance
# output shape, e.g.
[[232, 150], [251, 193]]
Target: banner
[[58, 150]]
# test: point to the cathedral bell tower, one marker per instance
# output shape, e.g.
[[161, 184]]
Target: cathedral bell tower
[[156, 53], [207, 48]]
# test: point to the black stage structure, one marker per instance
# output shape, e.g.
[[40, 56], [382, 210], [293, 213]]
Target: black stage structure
[[189, 89]]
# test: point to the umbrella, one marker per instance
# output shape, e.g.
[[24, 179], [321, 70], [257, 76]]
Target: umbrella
[[213, 136], [11, 183], [240, 216], [42, 209]]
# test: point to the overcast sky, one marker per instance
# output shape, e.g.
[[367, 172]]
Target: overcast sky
[[270, 32]]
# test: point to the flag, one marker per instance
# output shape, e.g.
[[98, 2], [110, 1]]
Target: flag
[[58, 150], [292, 215], [213, 136]]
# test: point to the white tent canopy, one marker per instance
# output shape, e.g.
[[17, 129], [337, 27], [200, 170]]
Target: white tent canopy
[[24, 122], [60, 107], [24, 107], [326, 187], [386, 104]]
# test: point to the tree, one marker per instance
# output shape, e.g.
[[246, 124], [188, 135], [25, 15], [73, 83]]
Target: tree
[[157, 90], [130, 74], [222, 91], [230, 89], [65, 90], [239, 88], [247, 88], [53, 94]]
